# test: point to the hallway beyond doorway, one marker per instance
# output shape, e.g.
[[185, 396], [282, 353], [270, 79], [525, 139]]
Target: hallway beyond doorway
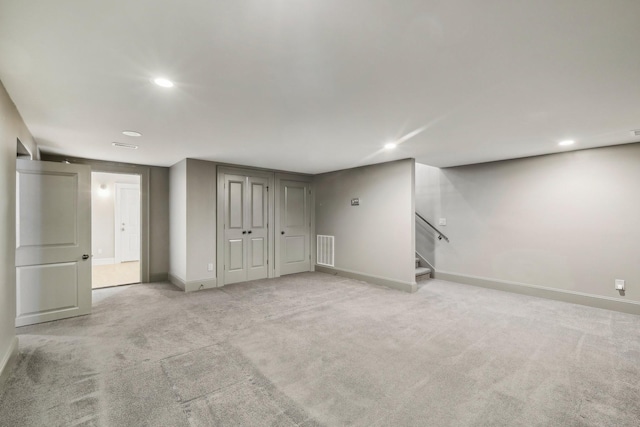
[[124, 273], [115, 225]]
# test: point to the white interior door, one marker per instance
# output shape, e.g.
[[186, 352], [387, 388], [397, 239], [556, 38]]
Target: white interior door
[[235, 263], [127, 224], [53, 241], [257, 227], [246, 228], [295, 227]]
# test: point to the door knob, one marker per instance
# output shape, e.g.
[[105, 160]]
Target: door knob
[[249, 231], [282, 232], [244, 232], [85, 257]]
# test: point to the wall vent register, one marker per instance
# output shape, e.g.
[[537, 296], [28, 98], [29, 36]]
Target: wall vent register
[[324, 252]]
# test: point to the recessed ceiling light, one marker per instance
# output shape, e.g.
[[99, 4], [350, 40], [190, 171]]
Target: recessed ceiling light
[[123, 145], [161, 81], [567, 142], [131, 133], [390, 146]]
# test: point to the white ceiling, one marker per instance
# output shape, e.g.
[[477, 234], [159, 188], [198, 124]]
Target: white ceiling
[[319, 85]]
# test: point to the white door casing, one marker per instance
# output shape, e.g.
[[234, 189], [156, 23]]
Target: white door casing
[[295, 227], [127, 222], [53, 241]]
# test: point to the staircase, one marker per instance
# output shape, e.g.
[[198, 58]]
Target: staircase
[[422, 273]]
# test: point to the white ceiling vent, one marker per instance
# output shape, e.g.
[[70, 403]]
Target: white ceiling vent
[[635, 132], [123, 145], [324, 253]]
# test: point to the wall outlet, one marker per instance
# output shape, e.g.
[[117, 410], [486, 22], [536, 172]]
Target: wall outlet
[[443, 221], [210, 267], [619, 285]]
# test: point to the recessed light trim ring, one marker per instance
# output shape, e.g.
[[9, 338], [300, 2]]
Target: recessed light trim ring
[[566, 142], [163, 82], [131, 133]]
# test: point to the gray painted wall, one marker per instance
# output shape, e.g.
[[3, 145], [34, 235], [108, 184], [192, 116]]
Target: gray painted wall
[[427, 205], [103, 212], [11, 128], [178, 220], [201, 219], [377, 237], [567, 221], [159, 224]]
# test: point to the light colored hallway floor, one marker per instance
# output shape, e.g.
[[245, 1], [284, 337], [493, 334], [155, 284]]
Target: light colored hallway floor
[[123, 273], [314, 349]]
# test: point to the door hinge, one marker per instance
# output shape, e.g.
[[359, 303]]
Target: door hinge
[[267, 262]]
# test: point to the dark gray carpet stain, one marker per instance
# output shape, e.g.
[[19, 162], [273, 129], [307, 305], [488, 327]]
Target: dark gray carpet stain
[[314, 349]]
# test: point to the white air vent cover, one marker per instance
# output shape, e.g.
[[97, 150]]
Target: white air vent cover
[[324, 251], [635, 132]]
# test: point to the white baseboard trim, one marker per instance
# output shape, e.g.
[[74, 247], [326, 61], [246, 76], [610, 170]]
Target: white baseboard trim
[[103, 261], [376, 280], [193, 285], [7, 363], [200, 285], [591, 300], [176, 281]]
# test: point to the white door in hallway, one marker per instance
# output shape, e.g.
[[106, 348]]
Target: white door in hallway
[[127, 223], [295, 227], [53, 241], [246, 240]]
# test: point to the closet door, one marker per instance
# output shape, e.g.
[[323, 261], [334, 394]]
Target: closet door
[[235, 231], [295, 227], [257, 227], [246, 237]]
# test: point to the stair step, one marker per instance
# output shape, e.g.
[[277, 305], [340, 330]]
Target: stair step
[[421, 271]]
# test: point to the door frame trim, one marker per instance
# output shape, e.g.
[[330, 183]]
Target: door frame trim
[[221, 171], [279, 177]]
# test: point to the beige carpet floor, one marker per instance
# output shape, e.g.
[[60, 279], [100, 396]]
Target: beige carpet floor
[[124, 273], [314, 349]]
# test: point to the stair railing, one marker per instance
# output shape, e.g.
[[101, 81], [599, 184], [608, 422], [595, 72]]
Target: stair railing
[[438, 232]]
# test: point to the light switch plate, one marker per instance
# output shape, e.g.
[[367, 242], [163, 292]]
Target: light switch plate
[[619, 285], [443, 221]]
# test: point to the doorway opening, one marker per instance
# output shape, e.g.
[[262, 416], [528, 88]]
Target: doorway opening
[[115, 229]]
